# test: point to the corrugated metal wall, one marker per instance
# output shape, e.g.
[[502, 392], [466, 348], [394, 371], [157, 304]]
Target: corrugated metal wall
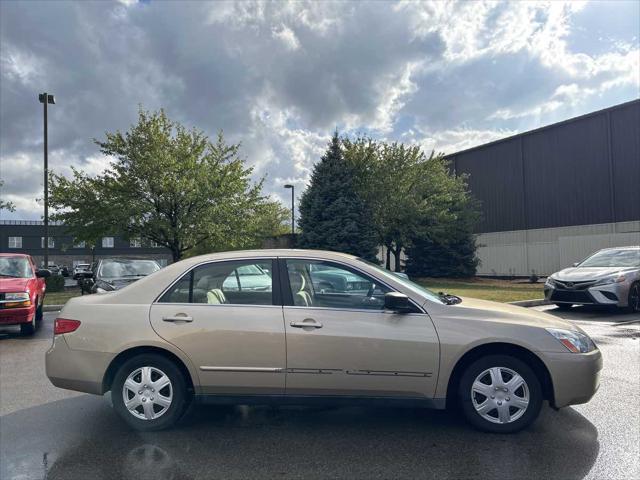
[[580, 172]]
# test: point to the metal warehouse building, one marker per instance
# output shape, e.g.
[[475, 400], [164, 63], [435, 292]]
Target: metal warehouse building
[[552, 196]]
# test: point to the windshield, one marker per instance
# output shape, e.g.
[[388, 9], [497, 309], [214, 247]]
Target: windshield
[[413, 286], [15, 267], [127, 268], [613, 258]]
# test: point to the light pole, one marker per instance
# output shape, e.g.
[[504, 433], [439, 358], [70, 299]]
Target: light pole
[[46, 99], [293, 215]]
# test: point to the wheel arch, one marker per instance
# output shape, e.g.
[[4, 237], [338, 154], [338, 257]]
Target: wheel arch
[[125, 355], [500, 348]]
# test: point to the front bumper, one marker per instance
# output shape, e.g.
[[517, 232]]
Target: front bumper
[[612, 294], [15, 316], [78, 370], [575, 376]]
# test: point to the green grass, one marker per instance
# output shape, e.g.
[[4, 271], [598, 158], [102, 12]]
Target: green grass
[[60, 298], [485, 288]]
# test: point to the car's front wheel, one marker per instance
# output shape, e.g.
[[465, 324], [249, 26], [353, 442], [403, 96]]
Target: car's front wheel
[[500, 394], [149, 392]]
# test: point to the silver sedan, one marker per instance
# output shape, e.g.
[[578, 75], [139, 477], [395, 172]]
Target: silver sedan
[[608, 277]]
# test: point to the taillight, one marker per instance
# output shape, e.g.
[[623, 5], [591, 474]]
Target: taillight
[[64, 325]]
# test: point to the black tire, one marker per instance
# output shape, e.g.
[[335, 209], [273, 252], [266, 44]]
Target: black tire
[[39, 312], [179, 401], [564, 306], [633, 300], [465, 396], [28, 329]]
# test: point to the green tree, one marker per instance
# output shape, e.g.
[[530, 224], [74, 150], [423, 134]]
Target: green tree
[[333, 216], [6, 205], [412, 197], [166, 184]]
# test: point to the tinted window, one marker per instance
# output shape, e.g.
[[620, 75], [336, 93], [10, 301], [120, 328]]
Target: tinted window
[[324, 284], [613, 258], [245, 282]]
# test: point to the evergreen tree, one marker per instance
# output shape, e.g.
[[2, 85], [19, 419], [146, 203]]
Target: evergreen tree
[[332, 214]]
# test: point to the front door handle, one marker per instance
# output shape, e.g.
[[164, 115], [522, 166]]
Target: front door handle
[[306, 323], [180, 317]]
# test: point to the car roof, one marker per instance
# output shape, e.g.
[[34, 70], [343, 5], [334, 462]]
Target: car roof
[[14, 255], [631, 247], [273, 252]]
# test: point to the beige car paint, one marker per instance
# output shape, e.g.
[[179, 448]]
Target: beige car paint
[[247, 350]]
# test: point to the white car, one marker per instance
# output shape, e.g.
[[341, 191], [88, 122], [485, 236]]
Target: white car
[[80, 270]]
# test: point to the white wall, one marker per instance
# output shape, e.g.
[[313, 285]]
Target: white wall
[[550, 249]]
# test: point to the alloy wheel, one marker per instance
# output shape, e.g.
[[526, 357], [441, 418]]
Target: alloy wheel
[[500, 395], [147, 393]]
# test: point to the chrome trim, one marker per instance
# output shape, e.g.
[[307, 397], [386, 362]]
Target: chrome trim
[[241, 369]]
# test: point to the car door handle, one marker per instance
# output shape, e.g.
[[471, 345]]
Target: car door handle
[[306, 323], [178, 318]]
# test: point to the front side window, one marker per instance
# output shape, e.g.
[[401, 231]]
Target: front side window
[[52, 242], [15, 242], [242, 282], [325, 284], [107, 242]]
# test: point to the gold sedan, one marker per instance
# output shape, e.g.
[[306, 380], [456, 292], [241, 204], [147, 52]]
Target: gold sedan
[[296, 326]]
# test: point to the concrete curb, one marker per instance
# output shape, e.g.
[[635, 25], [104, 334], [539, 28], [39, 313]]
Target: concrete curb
[[531, 303], [51, 308]]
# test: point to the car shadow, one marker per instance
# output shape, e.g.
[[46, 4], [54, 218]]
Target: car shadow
[[82, 437], [594, 313]]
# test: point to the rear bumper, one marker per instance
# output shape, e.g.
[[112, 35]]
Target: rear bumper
[[575, 376], [78, 370], [15, 316]]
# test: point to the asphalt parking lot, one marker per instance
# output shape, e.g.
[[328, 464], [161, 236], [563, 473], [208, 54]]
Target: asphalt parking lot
[[50, 433]]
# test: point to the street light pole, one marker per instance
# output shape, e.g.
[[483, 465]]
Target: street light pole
[[46, 99], [293, 215]]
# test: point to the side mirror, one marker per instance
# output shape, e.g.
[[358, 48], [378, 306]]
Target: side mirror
[[575, 264], [43, 273], [396, 302]]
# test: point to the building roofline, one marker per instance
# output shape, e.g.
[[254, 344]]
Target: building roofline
[[546, 127]]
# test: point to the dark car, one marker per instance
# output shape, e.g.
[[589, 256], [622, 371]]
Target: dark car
[[112, 274], [64, 271]]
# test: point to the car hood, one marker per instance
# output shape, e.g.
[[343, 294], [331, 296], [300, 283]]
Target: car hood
[[13, 284], [505, 313], [574, 274]]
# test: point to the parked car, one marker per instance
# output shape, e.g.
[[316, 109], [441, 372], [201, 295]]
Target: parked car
[[64, 271], [181, 333], [81, 270], [111, 274], [53, 268], [608, 277], [22, 291]]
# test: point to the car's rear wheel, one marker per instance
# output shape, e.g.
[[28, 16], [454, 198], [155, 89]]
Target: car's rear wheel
[[633, 300], [564, 306], [149, 392], [500, 394]]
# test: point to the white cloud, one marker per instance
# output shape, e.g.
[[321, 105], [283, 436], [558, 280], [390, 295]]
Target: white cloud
[[287, 37]]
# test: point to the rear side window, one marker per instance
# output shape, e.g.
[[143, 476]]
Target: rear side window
[[241, 282]]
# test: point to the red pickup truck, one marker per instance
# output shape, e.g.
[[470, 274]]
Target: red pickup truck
[[22, 289]]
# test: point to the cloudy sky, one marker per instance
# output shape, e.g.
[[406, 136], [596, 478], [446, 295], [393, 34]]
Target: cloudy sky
[[279, 77]]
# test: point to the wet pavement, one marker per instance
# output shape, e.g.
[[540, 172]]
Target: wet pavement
[[49, 433]]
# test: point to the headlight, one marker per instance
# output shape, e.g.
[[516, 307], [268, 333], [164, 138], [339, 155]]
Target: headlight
[[575, 342], [550, 282], [16, 299], [610, 280]]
